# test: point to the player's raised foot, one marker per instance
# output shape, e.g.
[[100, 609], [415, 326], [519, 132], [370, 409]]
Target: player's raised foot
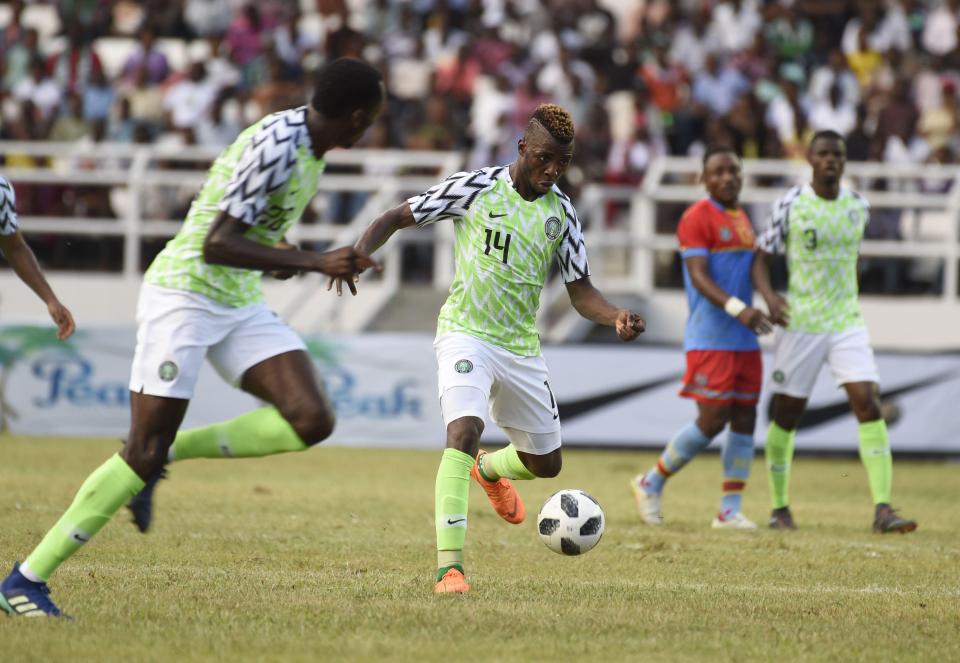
[[501, 493], [141, 504], [727, 520], [24, 598], [781, 518], [648, 503], [451, 582], [887, 520]]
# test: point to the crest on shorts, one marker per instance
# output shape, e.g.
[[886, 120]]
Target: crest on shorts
[[725, 234], [779, 377], [552, 228], [463, 366], [700, 379], [168, 371]]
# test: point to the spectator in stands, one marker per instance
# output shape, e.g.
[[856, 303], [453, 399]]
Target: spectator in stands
[[717, 86], [187, 102], [41, 90], [939, 35], [834, 72], [734, 24], [292, 43], [692, 41], [70, 125], [208, 18], [97, 98], [222, 126], [18, 55], [791, 35], [939, 125], [146, 102], [835, 113], [148, 56], [72, 67]]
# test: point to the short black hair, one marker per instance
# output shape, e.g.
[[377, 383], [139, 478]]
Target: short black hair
[[829, 134], [345, 85], [718, 149]]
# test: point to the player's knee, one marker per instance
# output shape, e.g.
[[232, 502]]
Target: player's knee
[[866, 410], [743, 419], [146, 457], [313, 423], [549, 467], [464, 434]]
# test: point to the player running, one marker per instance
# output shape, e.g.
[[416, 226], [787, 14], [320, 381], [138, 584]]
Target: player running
[[202, 298], [819, 227], [510, 223], [723, 357], [17, 252]]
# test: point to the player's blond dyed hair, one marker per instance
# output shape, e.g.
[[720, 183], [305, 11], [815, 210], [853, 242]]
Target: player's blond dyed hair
[[556, 120]]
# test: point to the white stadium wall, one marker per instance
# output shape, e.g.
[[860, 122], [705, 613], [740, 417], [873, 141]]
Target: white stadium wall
[[384, 389]]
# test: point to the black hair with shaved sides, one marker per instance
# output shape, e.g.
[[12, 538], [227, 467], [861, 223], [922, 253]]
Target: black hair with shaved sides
[[556, 120]]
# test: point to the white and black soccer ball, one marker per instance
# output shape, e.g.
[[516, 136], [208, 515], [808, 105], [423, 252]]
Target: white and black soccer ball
[[570, 522]]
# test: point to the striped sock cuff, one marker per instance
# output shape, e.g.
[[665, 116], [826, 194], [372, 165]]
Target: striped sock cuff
[[734, 485]]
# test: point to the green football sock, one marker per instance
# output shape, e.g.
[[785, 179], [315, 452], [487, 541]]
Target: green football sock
[[875, 456], [504, 463], [779, 452], [262, 432], [109, 487], [452, 492]]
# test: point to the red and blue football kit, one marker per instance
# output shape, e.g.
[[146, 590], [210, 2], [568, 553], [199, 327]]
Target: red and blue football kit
[[723, 356]]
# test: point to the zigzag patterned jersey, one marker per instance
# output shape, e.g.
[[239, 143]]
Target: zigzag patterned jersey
[[504, 246], [821, 239], [8, 207], [265, 178]]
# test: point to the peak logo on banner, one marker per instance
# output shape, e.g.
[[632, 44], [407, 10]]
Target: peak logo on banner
[[71, 378], [384, 389]]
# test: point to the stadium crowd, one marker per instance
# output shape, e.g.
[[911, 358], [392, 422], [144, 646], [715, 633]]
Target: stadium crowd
[[656, 77]]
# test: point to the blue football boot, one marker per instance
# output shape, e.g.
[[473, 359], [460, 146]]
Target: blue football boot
[[25, 598]]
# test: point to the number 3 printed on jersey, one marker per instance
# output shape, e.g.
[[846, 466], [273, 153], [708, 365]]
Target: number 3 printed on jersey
[[811, 236], [496, 237]]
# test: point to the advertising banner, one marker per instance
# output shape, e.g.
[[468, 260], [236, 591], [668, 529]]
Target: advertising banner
[[383, 387]]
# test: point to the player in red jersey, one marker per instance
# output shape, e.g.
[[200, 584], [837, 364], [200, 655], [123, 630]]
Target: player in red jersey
[[723, 357]]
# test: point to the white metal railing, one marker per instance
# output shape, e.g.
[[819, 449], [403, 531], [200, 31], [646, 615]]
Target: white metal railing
[[623, 245], [136, 168]]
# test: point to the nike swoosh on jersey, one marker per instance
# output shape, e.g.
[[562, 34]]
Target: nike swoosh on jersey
[[497, 216]]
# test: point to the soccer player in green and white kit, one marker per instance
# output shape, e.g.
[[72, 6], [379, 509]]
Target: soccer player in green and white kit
[[819, 227], [510, 222], [201, 298]]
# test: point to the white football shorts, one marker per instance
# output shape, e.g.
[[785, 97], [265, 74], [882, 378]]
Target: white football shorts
[[475, 377], [177, 329], [798, 357]]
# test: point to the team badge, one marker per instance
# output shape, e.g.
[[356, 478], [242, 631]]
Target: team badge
[[779, 377], [700, 379], [463, 366], [854, 216], [552, 228], [725, 234], [168, 371]]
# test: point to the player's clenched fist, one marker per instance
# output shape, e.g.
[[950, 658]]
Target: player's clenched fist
[[629, 325]]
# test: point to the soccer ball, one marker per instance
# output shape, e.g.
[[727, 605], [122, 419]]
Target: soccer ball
[[570, 522]]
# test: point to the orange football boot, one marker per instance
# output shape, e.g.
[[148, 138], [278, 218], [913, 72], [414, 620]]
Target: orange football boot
[[503, 496], [452, 582]]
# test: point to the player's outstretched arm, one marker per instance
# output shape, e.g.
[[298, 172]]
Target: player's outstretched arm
[[760, 274], [375, 236], [24, 263], [226, 244], [592, 305], [750, 317]]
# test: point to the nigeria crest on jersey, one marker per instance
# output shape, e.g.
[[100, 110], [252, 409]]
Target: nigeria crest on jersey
[[552, 228]]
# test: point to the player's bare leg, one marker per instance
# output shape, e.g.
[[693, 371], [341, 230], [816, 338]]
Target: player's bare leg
[[301, 416], [786, 413], [875, 455]]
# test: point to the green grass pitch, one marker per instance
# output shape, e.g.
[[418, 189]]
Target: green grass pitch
[[328, 555]]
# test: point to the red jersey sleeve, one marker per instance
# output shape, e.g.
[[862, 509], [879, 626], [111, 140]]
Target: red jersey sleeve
[[694, 233]]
